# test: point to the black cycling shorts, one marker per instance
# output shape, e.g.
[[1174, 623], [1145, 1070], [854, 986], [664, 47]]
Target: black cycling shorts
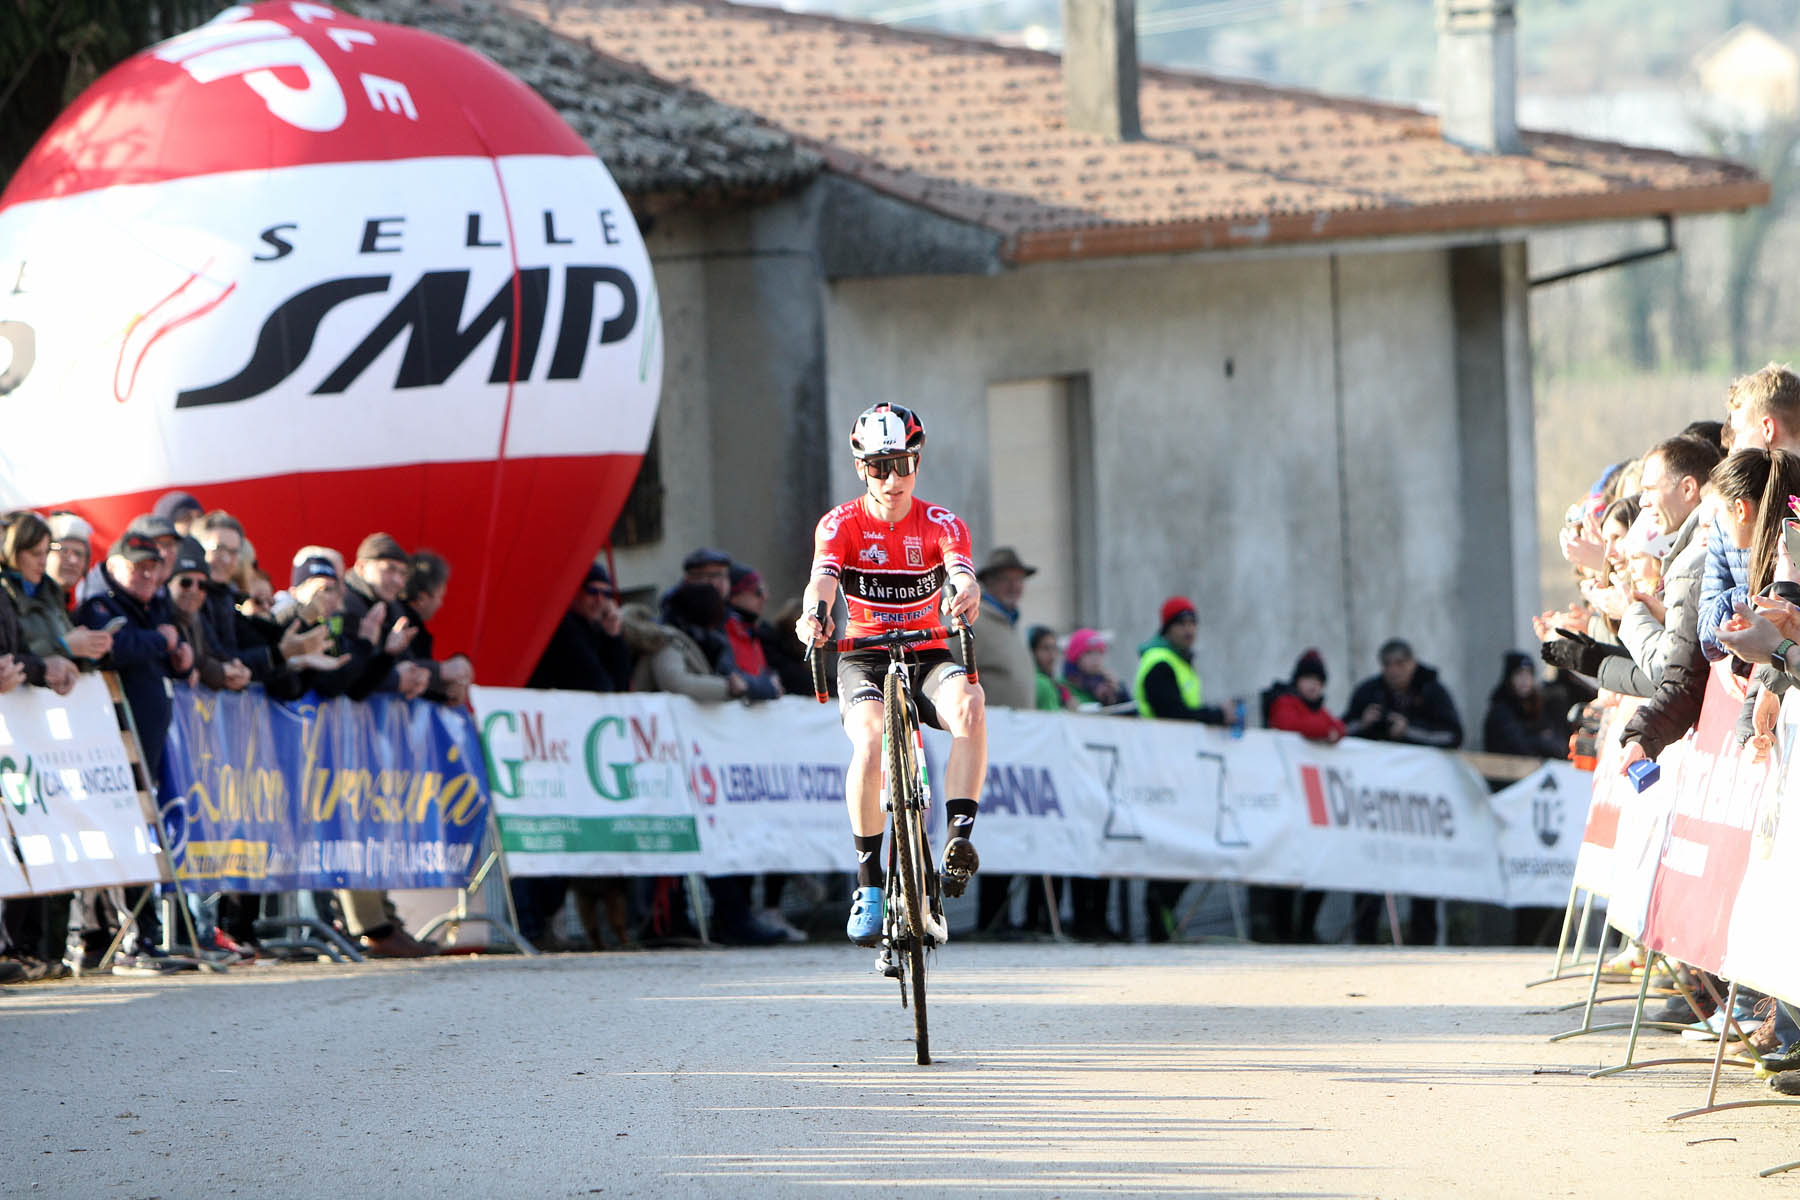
[[860, 675]]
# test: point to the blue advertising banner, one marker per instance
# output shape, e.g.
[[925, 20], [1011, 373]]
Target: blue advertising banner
[[267, 796]]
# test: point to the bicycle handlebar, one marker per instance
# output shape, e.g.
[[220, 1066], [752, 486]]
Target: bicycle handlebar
[[893, 639]]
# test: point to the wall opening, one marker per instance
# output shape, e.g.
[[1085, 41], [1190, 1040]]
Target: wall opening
[[1040, 470]]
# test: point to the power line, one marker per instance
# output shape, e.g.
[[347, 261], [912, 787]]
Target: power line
[[1208, 16]]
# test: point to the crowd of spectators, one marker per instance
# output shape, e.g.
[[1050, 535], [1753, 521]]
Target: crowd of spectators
[[1685, 557], [179, 595]]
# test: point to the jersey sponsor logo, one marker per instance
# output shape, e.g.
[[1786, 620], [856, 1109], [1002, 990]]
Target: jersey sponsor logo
[[915, 552], [887, 588], [937, 514], [874, 554]]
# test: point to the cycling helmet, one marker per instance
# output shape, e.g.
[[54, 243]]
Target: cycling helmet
[[886, 429]]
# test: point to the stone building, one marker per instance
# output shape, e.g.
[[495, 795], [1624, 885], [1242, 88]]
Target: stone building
[[1255, 345]]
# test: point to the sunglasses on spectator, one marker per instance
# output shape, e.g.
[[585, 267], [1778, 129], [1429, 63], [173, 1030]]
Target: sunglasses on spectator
[[188, 581], [599, 589], [901, 465]]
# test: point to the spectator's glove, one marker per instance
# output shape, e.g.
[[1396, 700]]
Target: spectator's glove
[[1574, 652]]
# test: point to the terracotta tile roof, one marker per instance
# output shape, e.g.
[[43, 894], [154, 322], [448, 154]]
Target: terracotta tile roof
[[975, 131], [663, 143]]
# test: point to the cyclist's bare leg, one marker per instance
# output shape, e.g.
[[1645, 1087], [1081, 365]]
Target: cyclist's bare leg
[[962, 709], [862, 783]]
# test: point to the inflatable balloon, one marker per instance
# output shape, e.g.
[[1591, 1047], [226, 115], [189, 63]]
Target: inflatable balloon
[[334, 276]]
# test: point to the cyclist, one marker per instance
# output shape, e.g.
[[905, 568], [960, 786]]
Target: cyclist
[[892, 555]]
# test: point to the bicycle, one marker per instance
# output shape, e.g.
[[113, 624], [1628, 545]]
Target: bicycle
[[912, 921]]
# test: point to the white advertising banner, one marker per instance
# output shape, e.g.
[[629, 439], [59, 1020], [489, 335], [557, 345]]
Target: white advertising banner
[[1187, 801], [1760, 946], [652, 784], [1386, 818], [70, 797], [1541, 820], [768, 781], [589, 784]]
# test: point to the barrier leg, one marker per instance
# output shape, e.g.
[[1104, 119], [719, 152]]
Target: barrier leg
[[1637, 1022], [1587, 1016], [507, 926], [127, 922], [1050, 903], [1764, 1174], [1240, 920], [1587, 912], [1562, 938], [1188, 913], [1650, 958], [694, 884], [1393, 912]]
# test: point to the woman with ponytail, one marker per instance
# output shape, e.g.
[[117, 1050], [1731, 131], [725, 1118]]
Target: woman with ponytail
[[1753, 487]]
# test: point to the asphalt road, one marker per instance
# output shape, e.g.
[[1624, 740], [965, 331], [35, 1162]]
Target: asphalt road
[[1063, 1071]]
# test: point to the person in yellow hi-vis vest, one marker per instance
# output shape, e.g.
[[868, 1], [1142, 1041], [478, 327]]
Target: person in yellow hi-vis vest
[[1169, 688]]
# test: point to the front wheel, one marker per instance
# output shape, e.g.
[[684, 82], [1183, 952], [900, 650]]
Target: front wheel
[[909, 849]]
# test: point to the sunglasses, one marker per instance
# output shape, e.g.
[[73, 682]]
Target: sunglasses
[[881, 468], [599, 589], [186, 582]]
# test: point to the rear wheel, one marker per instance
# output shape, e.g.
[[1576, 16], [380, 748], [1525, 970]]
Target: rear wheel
[[909, 849]]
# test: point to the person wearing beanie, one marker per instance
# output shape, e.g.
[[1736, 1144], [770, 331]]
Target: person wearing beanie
[[1084, 670], [71, 552], [1298, 706], [1168, 688], [378, 576], [1295, 706], [1518, 721], [588, 651], [180, 509], [1404, 703], [746, 597]]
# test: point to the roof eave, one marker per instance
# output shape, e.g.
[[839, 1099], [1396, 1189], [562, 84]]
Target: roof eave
[[1119, 241]]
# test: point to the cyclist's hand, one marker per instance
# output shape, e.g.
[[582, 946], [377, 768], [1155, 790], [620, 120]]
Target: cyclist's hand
[[809, 632], [966, 604]]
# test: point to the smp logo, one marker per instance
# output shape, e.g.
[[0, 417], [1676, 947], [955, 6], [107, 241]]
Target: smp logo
[[429, 316], [1334, 798]]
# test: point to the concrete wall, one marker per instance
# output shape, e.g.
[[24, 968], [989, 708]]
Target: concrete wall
[[1218, 394], [1320, 451], [742, 410]]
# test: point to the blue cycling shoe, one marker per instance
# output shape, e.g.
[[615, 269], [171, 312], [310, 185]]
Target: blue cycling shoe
[[864, 926]]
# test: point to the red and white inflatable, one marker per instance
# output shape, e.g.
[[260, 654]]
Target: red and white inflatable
[[334, 276]]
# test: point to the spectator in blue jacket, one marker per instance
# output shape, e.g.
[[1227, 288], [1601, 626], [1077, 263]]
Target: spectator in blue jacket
[[1762, 413]]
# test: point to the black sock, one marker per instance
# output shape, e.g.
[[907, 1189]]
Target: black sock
[[868, 860], [961, 815]]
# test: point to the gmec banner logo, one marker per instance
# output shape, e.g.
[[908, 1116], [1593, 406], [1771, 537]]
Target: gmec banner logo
[[1333, 797]]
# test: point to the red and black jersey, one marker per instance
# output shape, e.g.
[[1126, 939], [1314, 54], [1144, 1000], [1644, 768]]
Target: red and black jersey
[[891, 572]]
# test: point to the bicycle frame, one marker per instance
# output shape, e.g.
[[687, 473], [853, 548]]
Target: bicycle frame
[[912, 919]]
